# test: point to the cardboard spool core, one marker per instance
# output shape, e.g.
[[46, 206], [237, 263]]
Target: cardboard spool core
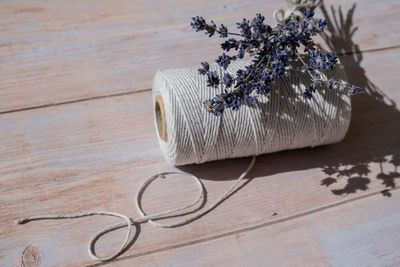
[[160, 118]]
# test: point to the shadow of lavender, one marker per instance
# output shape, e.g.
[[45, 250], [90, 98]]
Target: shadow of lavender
[[368, 111], [373, 136]]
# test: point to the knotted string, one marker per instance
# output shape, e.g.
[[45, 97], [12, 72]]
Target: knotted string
[[144, 218], [296, 8]]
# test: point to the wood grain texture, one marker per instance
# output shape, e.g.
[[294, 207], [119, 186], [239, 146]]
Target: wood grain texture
[[93, 155], [55, 52], [360, 233]]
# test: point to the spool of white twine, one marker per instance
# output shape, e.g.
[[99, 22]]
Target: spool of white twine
[[284, 120]]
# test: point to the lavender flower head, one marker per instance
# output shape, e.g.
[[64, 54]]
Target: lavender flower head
[[271, 49]]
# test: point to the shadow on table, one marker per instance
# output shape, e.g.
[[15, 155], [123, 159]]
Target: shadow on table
[[374, 122], [373, 136]]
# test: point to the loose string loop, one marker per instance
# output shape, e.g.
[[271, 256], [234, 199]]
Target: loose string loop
[[144, 218], [93, 240]]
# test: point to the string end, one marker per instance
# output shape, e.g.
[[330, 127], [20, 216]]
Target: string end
[[21, 220]]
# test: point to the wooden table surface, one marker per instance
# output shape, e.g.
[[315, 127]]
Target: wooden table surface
[[77, 134]]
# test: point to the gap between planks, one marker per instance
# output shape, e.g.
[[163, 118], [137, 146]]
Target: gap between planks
[[245, 229], [144, 90]]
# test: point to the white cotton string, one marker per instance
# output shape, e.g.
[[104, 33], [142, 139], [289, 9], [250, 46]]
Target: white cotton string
[[149, 218], [92, 241], [281, 121], [296, 8]]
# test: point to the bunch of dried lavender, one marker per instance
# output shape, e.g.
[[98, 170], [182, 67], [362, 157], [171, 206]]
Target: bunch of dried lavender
[[271, 50]]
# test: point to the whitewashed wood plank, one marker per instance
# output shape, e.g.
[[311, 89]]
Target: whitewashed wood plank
[[54, 52], [360, 233]]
